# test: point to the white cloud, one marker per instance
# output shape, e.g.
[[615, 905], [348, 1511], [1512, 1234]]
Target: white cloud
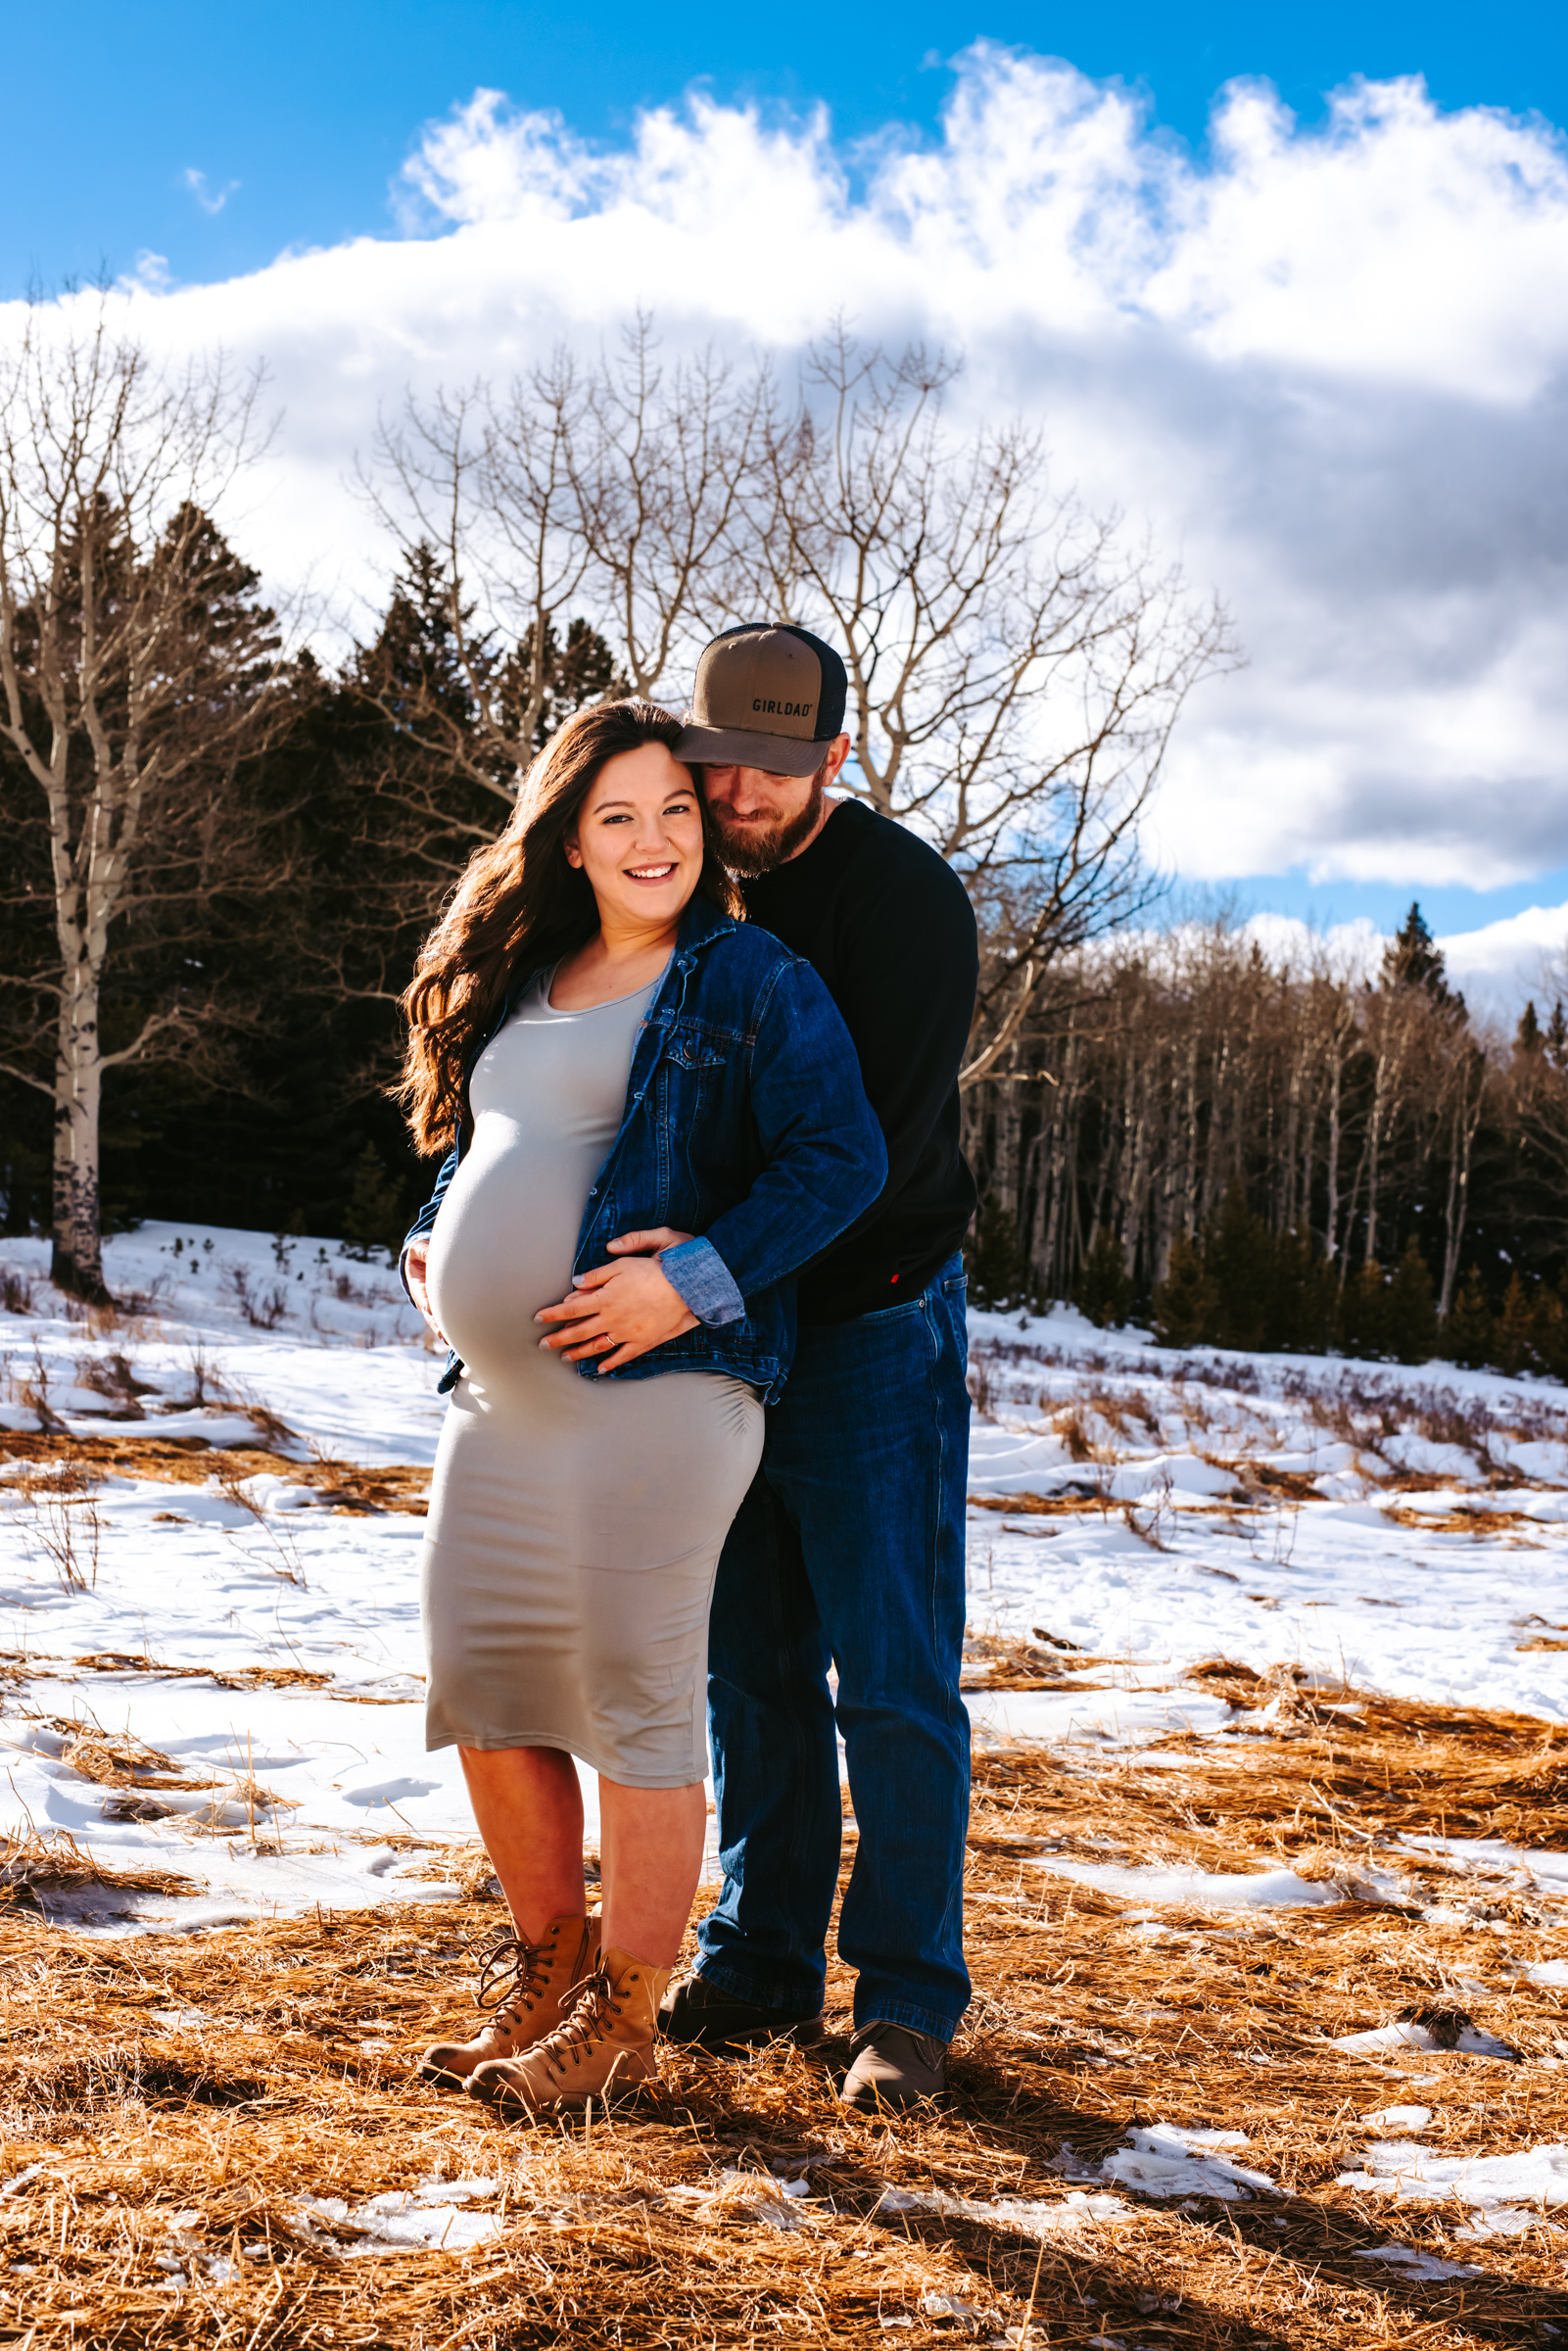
[[211, 200], [1497, 965], [151, 272], [1351, 952], [1329, 367], [1503, 963]]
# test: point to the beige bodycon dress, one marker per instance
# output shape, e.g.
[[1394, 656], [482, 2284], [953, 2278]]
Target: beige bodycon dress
[[575, 1523]]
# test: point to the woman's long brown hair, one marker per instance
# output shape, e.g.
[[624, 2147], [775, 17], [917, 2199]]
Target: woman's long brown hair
[[519, 905]]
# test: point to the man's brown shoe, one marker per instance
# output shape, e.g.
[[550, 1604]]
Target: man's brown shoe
[[712, 2019], [529, 1987], [605, 2044], [893, 2068]]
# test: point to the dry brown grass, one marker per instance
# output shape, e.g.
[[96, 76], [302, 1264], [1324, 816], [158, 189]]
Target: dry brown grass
[[195, 2140], [621, 2234], [347, 1486], [52, 1862], [1068, 1503]]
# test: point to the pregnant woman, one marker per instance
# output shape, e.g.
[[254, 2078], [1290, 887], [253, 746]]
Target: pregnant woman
[[655, 1117]]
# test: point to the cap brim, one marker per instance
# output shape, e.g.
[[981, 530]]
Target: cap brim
[[736, 746]]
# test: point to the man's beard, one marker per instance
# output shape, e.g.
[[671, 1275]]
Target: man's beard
[[750, 850]]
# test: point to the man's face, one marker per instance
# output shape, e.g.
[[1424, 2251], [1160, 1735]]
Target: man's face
[[762, 820]]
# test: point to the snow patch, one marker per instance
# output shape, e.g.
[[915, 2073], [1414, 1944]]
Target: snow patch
[[1071, 2215], [427, 2219], [1165, 2161], [1471, 2041], [1536, 2176], [1416, 2264], [1199, 1889]]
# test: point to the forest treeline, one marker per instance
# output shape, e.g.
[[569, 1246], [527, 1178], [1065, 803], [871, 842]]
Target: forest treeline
[[291, 885], [1259, 1153], [223, 850]]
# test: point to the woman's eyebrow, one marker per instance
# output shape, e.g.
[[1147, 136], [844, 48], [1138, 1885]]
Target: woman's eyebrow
[[683, 791]]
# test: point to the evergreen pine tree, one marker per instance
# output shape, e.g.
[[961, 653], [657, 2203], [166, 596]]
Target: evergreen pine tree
[[1527, 1036], [1548, 1330], [1105, 1286], [1413, 958], [1513, 1348], [996, 1257], [1364, 1313], [1467, 1331], [1410, 1316], [1557, 1037], [1305, 1306], [1239, 1261], [374, 1217], [583, 671], [1185, 1304]]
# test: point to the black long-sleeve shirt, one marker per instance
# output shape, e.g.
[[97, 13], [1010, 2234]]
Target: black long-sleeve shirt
[[889, 929]]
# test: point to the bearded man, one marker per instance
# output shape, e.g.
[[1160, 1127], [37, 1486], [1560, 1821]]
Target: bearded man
[[848, 1551]]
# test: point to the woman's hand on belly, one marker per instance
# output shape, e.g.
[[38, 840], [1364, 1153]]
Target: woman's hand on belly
[[617, 1311], [414, 1268]]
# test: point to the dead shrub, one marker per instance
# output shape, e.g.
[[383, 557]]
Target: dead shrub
[[1075, 1436], [65, 1521], [52, 1862], [263, 1309], [33, 1393], [111, 1376], [980, 1380], [207, 1385]]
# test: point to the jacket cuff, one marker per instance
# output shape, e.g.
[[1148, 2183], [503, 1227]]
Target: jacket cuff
[[698, 1273]]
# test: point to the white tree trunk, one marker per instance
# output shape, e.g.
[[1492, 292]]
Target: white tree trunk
[[77, 1263]]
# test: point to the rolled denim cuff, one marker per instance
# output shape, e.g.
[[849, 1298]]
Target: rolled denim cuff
[[700, 1274]]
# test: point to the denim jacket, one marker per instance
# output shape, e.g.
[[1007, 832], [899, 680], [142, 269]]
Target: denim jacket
[[746, 1124]]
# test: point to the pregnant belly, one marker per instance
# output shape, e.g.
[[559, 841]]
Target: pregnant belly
[[502, 1246]]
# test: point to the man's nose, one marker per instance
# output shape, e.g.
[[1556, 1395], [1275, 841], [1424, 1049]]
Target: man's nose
[[739, 790]]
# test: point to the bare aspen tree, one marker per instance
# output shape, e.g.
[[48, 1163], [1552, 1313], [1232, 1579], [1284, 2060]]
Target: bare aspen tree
[[117, 691], [1465, 1099], [575, 495], [1016, 667], [486, 483], [1156, 1072], [662, 471]]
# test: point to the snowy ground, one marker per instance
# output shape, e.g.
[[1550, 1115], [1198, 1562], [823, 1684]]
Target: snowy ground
[[219, 1681], [1407, 1529]]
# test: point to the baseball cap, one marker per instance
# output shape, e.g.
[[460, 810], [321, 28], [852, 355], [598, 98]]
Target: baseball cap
[[767, 695]]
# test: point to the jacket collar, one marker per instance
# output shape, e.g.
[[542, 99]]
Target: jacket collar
[[700, 922]]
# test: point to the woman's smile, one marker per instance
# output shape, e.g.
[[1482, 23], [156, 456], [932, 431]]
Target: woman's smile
[[645, 797]]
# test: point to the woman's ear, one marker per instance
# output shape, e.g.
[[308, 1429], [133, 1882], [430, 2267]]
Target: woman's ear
[[574, 855]]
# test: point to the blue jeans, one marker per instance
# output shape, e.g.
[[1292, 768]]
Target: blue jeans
[[849, 1547]]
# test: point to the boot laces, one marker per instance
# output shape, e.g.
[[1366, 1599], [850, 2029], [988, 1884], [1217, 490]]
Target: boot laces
[[513, 1975], [587, 2021]]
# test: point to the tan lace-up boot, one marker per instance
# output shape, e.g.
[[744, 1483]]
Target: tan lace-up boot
[[605, 2044], [529, 1987]]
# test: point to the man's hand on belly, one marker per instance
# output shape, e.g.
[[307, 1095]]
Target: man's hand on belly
[[651, 1243], [618, 1313]]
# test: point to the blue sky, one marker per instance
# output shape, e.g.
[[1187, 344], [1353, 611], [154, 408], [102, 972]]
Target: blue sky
[[219, 139], [298, 116]]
